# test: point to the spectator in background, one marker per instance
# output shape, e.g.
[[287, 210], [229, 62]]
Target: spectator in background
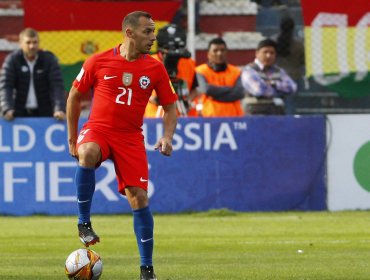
[[31, 83], [219, 83], [290, 56], [180, 67], [289, 49], [266, 83], [181, 16]]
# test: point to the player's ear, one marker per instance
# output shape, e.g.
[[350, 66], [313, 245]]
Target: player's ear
[[128, 32]]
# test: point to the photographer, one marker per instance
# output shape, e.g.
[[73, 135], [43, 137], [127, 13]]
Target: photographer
[[180, 68]]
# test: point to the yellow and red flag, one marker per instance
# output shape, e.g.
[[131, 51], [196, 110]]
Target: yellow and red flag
[[73, 29], [337, 44]]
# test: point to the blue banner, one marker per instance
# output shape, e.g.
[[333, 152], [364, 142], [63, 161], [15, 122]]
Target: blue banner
[[243, 164]]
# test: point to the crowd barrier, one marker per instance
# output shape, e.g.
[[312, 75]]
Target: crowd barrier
[[243, 164], [348, 162]]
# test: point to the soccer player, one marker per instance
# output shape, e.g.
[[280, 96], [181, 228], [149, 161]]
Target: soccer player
[[122, 80]]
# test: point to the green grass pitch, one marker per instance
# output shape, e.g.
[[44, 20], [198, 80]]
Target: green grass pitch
[[216, 245]]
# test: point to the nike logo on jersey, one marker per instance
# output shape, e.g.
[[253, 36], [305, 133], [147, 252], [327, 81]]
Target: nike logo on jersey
[[145, 240], [109, 77], [143, 180]]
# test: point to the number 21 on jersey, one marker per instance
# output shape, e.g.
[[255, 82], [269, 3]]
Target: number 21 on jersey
[[120, 97]]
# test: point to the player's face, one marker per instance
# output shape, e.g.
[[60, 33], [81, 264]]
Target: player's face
[[29, 46], [266, 55], [217, 54], [143, 35]]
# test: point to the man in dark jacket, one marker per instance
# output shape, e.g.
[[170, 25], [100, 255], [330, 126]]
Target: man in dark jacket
[[31, 83]]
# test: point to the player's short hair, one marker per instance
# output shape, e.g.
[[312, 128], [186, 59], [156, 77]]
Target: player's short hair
[[28, 32], [267, 43], [132, 19], [217, 41]]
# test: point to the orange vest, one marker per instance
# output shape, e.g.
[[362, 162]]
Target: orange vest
[[186, 72], [211, 107]]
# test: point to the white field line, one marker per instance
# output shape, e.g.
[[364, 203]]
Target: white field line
[[338, 241]]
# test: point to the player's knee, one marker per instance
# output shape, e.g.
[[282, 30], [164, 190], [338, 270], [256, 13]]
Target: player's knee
[[142, 199], [89, 155], [137, 197]]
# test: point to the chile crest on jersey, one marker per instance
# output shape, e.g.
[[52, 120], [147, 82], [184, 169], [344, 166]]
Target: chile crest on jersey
[[144, 82]]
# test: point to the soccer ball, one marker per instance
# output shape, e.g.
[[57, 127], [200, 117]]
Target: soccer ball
[[84, 264]]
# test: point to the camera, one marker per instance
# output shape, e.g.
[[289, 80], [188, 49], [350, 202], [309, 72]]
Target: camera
[[172, 42]]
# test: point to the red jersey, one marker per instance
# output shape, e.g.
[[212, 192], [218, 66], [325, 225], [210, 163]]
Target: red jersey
[[122, 88]]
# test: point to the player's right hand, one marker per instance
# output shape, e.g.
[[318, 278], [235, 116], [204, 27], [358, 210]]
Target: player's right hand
[[73, 148]]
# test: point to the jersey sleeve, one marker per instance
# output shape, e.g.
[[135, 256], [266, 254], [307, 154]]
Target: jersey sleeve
[[164, 89], [85, 79]]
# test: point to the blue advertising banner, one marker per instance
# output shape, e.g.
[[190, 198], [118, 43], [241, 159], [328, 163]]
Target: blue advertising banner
[[243, 164]]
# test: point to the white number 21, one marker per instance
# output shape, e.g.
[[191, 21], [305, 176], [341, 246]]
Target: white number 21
[[124, 91]]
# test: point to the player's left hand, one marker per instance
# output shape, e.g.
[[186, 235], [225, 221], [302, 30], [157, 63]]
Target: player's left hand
[[164, 145]]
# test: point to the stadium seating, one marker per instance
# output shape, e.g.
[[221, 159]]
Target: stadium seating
[[11, 22], [235, 21]]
